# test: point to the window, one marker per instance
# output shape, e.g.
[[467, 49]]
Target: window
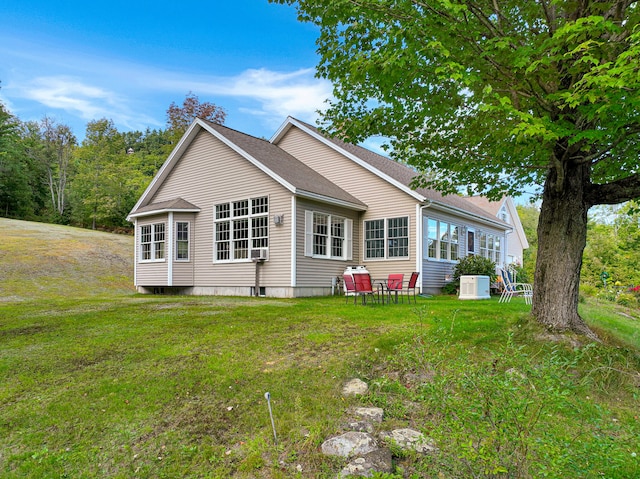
[[490, 246], [152, 242], [182, 241], [374, 239], [320, 234], [442, 240], [471, 241], [504, 214], [386, 238], [240, 226], [398, 237], [328, 236]]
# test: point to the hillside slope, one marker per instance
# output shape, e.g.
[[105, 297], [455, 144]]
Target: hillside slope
[[39, 260]]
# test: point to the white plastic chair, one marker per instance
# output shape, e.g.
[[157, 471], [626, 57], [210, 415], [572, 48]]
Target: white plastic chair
[[511, 288]]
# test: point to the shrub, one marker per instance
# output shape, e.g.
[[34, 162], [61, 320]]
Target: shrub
[[588, 289], [475, 265], [626, 299], [451, 287]]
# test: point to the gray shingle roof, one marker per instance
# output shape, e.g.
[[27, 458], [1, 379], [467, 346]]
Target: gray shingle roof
[[286, 166], [403, 174], [176, 204]]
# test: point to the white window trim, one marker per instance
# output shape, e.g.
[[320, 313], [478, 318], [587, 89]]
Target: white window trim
[[153, 243], [386, 240], [231, 219], [347, 246], [438, 258], [188, 258], [491, 252]]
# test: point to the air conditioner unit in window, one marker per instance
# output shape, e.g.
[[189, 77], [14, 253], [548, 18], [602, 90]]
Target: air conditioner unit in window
[[259, 254]]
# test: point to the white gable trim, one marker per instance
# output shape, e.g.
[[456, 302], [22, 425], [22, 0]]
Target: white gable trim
[[162, 211], [333, 201], [293, 122], [465, 214], [515, 218], [167, 166]]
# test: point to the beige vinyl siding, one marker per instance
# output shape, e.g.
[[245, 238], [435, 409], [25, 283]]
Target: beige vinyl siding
[[317, 272], [211, 173], [151, 273], [383, 200], [183, 271]]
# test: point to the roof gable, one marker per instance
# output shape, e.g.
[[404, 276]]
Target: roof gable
[[288, 171], [397, 174]]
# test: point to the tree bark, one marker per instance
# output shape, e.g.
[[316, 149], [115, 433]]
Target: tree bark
[[562, 235]]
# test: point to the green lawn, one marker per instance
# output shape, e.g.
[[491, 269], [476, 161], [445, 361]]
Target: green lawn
[[139, 386], [100, 382]]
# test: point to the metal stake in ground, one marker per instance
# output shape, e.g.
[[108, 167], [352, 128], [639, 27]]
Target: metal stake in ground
[[267, 396]]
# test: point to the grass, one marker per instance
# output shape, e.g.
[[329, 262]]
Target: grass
[[101, 382]]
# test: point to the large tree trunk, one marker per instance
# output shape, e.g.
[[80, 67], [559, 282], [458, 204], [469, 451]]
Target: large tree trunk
[[562, 234]]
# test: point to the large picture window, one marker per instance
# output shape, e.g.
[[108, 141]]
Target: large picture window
[[386, 238], [240, 226], [441, 240], [328, 236], [152, 238]]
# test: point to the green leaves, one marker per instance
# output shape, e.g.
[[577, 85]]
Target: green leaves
[[448, 81]]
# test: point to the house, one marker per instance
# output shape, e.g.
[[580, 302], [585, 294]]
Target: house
[[231, 214], [505, 209]]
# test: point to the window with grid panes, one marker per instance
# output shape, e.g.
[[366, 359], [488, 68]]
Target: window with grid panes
[[328, 236], [441, 240], [240, 226], [398, 237], [386, 238], [182, 241], [152, 239]]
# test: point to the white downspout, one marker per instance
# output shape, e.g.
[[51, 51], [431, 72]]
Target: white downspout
[[135, 252], [170, 250], [419, 242], [506, 247], [294, 245]]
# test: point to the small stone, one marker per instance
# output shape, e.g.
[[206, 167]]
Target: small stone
[[409, 440], [370, 413], [349, 444], [361, 426], [355, 387], [366, 465]]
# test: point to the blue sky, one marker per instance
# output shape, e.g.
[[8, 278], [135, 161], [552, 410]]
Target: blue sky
[[127, 61]]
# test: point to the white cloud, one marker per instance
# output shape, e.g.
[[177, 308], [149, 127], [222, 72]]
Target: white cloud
[[135, 95], [77, 97], [69, 94], [277, 94]]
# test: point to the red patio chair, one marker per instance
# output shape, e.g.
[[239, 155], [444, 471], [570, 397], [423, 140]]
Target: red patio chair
[[364, 287], [394, 285], [350, 288], [412, 286]]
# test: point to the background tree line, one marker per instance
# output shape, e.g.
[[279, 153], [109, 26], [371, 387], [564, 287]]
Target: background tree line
[[613, 246], [47, 175]]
